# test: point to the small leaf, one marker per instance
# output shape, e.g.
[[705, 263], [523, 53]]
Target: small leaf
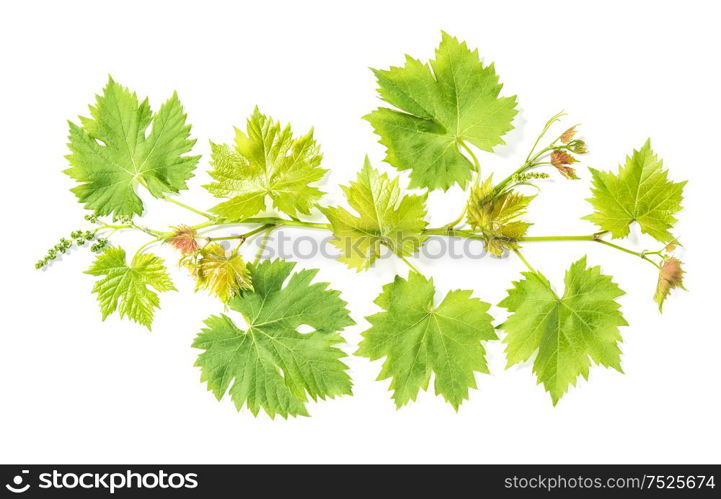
[[497, 217], [639, 192], [560, 160], [271, 365], [266, 162], [222, 273], [126, 288], [420, 339], [669, 277], [568, 135], [183, 239], [386, 218]]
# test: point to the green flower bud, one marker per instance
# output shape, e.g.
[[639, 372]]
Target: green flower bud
[[578, 146]]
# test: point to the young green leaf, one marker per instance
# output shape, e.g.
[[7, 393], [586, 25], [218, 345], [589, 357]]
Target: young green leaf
[[639, 192], [112, 152], [453, 99], [418, 339], [265, 162], [497, 217], [222, 273], [386, 218], [567, 332], [271, 365], [126, 288]]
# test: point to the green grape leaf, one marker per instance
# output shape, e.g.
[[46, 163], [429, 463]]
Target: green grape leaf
[[453, 99], [112, 152], [639, 192], [418, 339], [223, 274], [265, 162], [568, 333], [497, 217], [386, 218], [271, 365], [127, 288]]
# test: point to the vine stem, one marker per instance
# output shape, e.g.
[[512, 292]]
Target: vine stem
[[596, 238], [593, 238], [264, 220], [439, 231], [268, 224], [248, 234], [528, 165], [620, 248], [459, 219], [531, 159], [128, 225], [114, 227], [155, 233], [546, 127]]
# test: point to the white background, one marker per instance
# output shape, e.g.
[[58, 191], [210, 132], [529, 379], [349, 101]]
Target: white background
[[76, 389]]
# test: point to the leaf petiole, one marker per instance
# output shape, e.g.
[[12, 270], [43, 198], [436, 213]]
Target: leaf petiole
[[190, 208], [263, 242], [525, 262], [146, 245], [476, 164], [410, 265]]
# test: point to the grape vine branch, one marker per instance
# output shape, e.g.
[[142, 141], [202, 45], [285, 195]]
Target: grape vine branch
[[438, 118]]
